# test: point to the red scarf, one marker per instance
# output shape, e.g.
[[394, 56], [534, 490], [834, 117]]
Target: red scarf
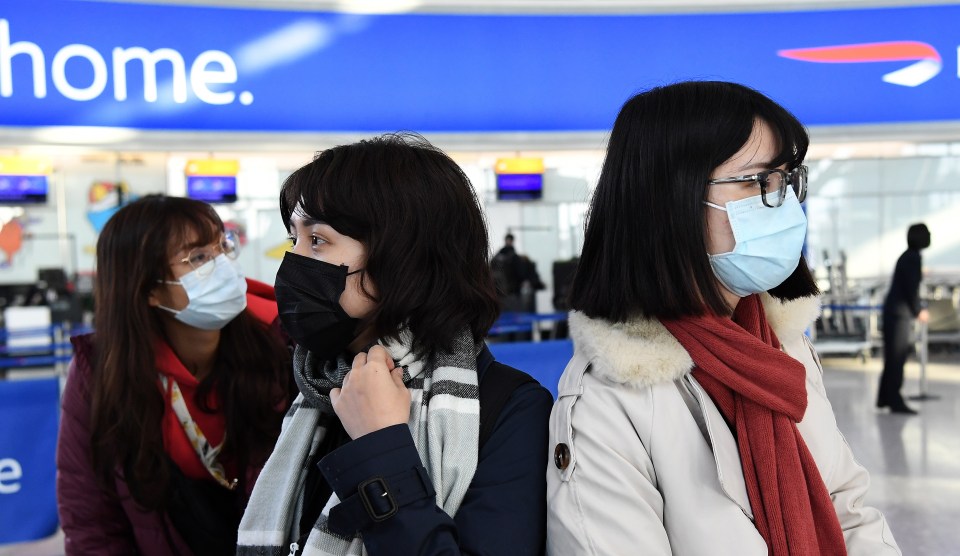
[[761, 391], [175, 440]]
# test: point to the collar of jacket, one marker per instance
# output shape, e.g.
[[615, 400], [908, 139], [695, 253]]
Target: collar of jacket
[[641, 352]]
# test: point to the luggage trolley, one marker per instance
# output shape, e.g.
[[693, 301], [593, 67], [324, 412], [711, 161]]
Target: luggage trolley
[[844, 328]]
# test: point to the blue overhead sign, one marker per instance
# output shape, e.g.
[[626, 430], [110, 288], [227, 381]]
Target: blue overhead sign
[[90, 63]]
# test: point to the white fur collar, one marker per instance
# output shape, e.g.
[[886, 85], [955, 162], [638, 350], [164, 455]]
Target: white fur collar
[[642, 352]]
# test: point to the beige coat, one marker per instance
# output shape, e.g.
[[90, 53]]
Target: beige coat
[[653, 467]]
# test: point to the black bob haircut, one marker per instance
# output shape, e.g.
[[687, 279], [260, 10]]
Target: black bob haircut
[[918, 236], [419, 219], [645, 251]]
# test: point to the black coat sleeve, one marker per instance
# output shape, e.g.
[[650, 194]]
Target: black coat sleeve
[[504, 511], [909, 276]]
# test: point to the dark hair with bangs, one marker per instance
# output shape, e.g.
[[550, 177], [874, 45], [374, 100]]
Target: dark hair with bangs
[[250, 374], [419, 219], [645, 251]]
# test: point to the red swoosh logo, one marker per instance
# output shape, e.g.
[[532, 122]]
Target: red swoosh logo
[[928, 61], [870, 52]]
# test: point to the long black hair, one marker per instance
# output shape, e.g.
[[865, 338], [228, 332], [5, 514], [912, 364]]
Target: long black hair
[[250, 374], [645, 247]]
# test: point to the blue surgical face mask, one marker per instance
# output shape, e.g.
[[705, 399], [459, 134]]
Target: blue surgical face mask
[[214, 298], [769, 242]]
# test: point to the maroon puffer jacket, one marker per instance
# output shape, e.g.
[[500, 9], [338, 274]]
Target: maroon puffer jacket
[[95, 522]]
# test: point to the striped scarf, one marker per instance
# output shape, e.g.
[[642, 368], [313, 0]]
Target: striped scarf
[[444, 422]]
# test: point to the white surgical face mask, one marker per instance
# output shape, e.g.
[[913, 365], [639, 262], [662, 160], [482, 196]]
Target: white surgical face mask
[[769, 242], [214, 299]]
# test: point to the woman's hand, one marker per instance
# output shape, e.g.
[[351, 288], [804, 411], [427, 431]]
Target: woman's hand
[[373, 395]]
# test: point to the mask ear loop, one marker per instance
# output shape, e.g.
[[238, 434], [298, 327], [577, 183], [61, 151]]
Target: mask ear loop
[[375, 342], [172, 283], [718, 207], [361, 280]]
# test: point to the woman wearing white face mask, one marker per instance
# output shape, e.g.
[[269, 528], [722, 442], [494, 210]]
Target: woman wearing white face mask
[[173, 405], [692, 419]]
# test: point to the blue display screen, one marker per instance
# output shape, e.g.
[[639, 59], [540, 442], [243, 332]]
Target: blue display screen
[[22, 190], [212, 189], [519, 187]]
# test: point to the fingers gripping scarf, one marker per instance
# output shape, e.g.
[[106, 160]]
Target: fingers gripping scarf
[[761, 391], [444, 422]]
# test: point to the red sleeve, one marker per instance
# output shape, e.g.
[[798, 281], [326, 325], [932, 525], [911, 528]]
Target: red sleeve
[[93, 522], [261, 301], [260, 289]]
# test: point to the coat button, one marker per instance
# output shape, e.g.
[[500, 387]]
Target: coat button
[[561, 456]]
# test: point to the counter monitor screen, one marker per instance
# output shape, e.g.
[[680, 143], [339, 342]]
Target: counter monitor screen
[[23, 190], [519, 187], [212, 189]]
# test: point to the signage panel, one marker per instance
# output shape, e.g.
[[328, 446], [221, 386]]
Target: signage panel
[[212, 180], [29, 411], [177, 67], [23, 180]]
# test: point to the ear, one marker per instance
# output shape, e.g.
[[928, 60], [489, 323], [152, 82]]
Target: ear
[[154, 298]]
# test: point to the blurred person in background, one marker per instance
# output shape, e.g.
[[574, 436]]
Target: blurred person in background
[[508, 274], [693, 419], [530, 284], [901, 308], [174, 403], [407, 437]]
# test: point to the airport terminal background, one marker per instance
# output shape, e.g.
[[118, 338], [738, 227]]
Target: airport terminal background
[[873, 172]]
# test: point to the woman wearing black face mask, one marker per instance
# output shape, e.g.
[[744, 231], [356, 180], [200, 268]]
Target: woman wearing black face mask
[[407, 437]]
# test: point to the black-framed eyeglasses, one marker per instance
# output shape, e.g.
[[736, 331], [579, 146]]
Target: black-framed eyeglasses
[[774, 181]]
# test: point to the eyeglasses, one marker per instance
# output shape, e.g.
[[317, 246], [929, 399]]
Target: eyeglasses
[[198, 257], [774, 180]]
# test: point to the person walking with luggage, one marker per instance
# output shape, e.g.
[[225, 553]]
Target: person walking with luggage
[[692, 419], [407, 438], [901, 308]]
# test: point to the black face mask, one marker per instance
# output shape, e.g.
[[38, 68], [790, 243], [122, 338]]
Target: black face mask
[[308, 298]]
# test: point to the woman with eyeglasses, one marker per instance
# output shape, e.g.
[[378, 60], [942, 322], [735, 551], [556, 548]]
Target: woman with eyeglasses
[[692, 419], [407, 437], [174, 403]]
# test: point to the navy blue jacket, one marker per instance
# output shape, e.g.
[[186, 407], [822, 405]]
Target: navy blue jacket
[[504, 511]]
